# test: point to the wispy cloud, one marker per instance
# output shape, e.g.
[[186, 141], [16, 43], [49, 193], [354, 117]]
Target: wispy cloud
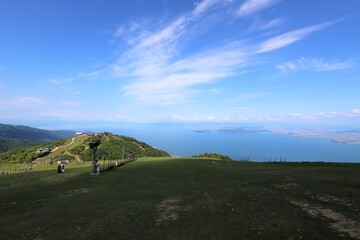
[[313, 64], [28, 100], [171, 82], [266, 25], [154, 69], [60, 81], [290, 37], [157, 76], [39, 107], [354, 112], [333, 114], [71, 103], [203, 6], [254, 6], [176, 117], [248, 96]]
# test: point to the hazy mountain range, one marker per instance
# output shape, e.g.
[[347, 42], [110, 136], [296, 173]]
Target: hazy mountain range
[[15, 136]]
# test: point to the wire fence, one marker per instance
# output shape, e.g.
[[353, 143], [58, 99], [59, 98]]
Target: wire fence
[[11, 168], [105, 165]]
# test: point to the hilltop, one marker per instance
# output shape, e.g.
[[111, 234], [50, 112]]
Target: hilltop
[[77, 149], [15, 136]]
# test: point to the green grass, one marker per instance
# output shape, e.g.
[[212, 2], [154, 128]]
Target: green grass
[[174, 198]]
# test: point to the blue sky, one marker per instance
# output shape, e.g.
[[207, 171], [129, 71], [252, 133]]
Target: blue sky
[[242, 61]]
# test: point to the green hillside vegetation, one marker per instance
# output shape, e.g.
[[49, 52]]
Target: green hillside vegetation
[[117, 147], [14, 136], [214, 155], [12, 143], [27, 154], [77, 148], [177, 198]]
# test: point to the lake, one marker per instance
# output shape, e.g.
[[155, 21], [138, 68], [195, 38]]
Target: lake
[[256, 146]]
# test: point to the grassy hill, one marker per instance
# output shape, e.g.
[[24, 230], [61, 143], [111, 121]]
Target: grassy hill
[[13, 136], [174, 198], [77, 149]]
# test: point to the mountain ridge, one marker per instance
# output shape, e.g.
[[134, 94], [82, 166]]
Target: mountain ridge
[[15, 136]]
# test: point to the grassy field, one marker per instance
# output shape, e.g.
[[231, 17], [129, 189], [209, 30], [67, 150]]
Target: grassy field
[[172, 198]]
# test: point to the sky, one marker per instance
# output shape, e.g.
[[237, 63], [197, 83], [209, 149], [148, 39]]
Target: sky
[[142, 61]]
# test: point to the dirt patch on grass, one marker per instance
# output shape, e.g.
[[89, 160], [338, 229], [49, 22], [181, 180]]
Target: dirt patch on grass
[[287, 186], [74, 192], [168, 210], [3, 188], [339, 222], [330, 198]]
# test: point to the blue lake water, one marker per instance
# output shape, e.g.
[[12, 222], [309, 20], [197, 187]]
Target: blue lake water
[[181, 141]]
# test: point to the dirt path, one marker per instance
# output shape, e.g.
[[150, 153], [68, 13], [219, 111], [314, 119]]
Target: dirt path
[[77, 158], [56, 148]]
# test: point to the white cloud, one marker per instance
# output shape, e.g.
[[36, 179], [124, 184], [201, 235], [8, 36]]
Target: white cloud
[[266, 25], [312, 64], [290, 37], [60, 81], [203, 6], [170, 83], [88, 75], [156, 76], [122, 31], [28, 100], [64, 114], [331, 114], [156, 72], [248, 96], [354, 112], [21, 104], [269, 118], [254, 6], [169, 33], [37, 107], [175, 117], [242, 117], [70, 103]]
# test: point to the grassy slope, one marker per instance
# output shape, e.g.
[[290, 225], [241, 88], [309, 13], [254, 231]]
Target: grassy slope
[[180, 199], [12, 136], [111, 148]]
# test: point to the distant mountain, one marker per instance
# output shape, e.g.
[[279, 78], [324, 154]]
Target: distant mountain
[[13, 136]]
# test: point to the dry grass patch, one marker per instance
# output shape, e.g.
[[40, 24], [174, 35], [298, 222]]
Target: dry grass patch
[[339, 222]]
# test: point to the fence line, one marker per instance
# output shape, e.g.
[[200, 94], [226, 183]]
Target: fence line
[[11, 168], [246, 158]]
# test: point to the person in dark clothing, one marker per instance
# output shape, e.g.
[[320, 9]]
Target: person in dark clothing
[[59, 168]]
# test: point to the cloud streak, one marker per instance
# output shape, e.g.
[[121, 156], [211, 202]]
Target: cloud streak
[[333, 114], [155, 71], [254, 6], [313, 64], [291, 37], [157, 76], [271, 24]]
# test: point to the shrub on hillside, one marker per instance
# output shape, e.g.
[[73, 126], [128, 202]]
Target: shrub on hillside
[[214, 155]]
